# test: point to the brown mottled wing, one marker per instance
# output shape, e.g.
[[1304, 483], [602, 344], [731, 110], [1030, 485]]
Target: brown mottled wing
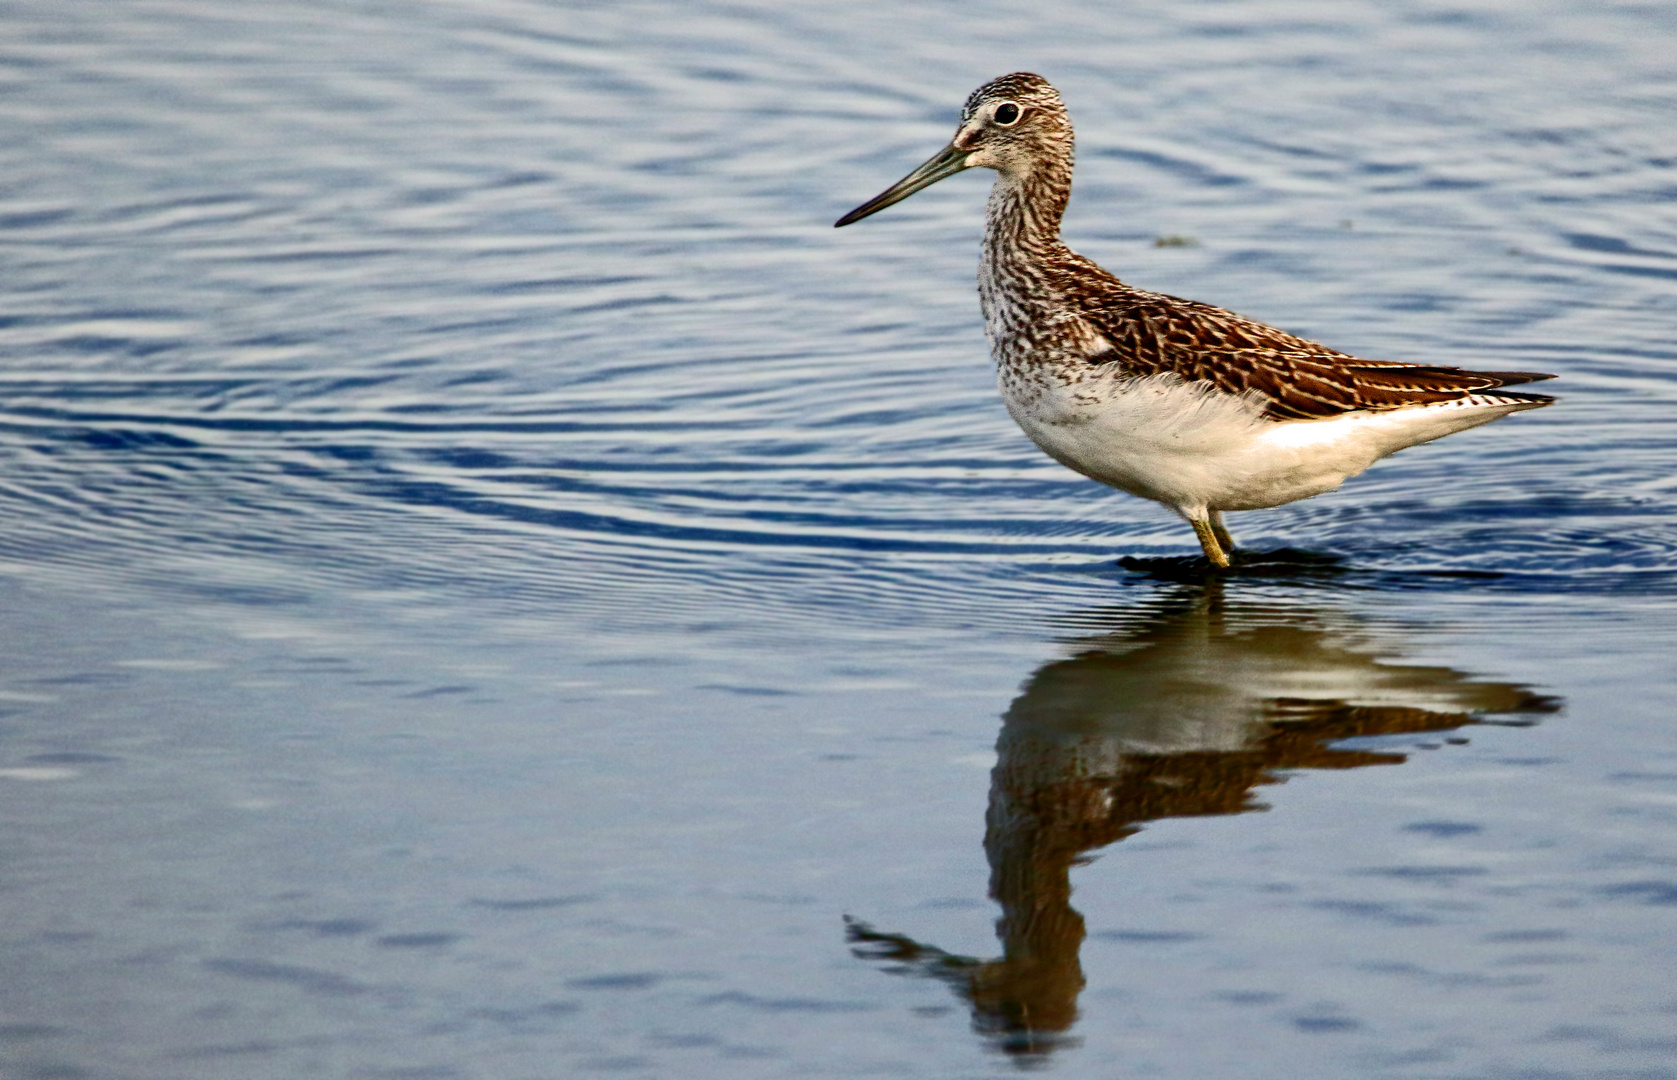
[[1153, 334]]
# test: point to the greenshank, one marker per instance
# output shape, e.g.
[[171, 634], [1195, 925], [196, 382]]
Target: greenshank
[[1187, 404]]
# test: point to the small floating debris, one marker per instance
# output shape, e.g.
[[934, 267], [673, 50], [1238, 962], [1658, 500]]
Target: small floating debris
[[1176, 240]]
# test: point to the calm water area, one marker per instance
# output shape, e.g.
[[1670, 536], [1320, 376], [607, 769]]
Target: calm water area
[[494, 586]]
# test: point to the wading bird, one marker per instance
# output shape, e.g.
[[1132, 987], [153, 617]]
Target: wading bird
[[1187, 404]]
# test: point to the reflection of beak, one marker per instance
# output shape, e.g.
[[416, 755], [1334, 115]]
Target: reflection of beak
[[947, 162]]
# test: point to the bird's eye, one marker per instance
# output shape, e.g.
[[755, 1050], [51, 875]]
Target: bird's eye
[[1007, 114]]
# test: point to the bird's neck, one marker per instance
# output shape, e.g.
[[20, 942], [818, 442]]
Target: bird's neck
[[1022, 221], [1022, 247]]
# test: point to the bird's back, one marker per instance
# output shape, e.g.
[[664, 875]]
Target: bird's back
[[1297, 379]]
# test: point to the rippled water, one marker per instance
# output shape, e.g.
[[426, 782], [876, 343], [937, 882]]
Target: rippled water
[[496, 586]]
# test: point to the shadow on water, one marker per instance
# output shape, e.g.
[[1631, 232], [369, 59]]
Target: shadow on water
[[1287, 564], [1183, 710], [1284, 563]]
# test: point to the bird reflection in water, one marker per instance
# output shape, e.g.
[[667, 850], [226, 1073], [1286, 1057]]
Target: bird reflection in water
[[1183, 711]]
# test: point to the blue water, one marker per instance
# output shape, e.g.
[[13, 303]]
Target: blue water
[[495, 586]]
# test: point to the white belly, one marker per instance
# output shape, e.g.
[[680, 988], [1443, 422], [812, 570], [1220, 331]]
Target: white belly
[[1195, 449]]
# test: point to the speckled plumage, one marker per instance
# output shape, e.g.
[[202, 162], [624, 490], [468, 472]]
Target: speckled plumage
[[1195, 407]]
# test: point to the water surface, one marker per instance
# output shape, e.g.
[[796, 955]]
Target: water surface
[[496, 586]]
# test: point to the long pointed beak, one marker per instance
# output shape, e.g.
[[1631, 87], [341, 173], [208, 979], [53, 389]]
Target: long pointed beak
[[946, 162]]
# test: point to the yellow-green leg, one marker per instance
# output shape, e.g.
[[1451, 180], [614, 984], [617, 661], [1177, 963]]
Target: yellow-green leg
[[1207, 532], [1223, 538]]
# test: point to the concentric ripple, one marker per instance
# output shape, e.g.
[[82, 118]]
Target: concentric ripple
[[368, 324]]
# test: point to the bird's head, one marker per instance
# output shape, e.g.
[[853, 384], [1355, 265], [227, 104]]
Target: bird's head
[[1014, 125]]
